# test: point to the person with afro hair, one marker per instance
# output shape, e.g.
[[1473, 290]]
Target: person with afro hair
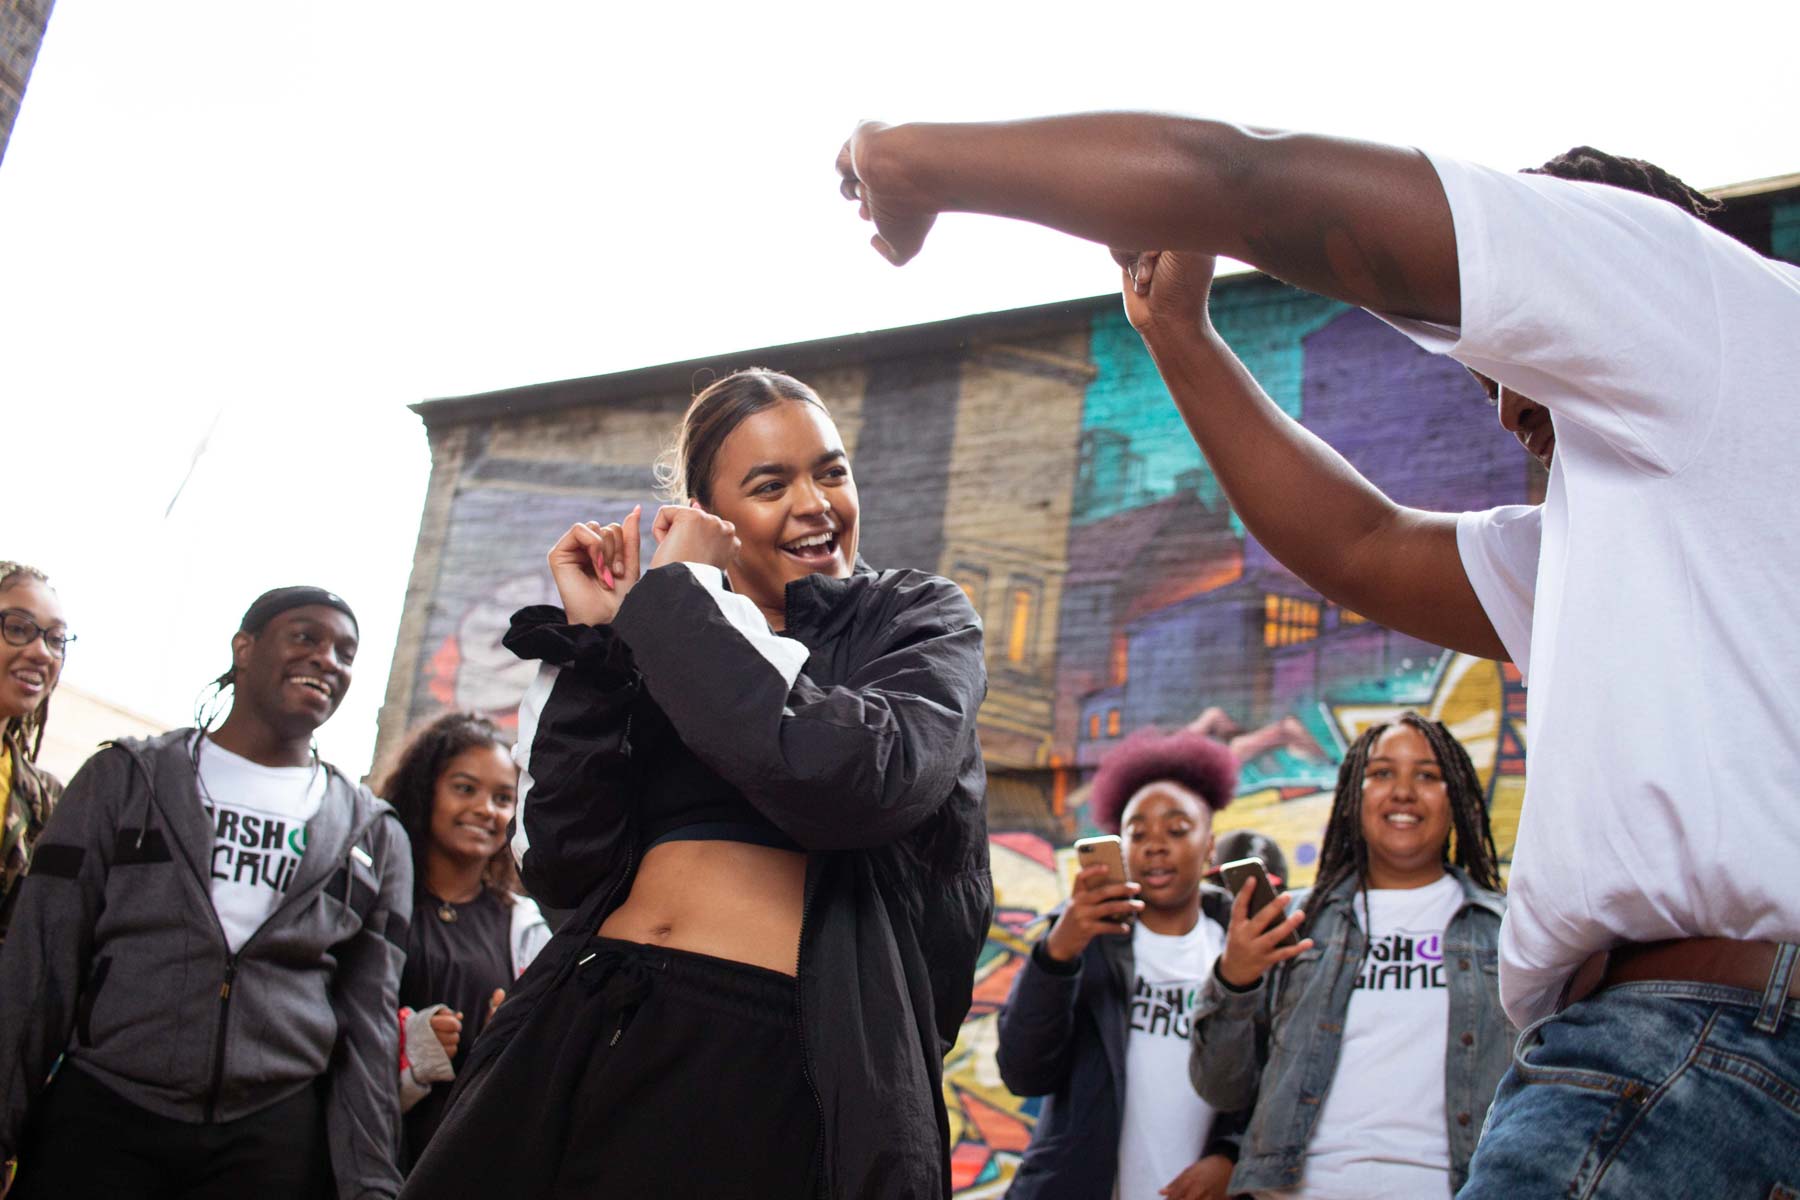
[[1099, 1016]]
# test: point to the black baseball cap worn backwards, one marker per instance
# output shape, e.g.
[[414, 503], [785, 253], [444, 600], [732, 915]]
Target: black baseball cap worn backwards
[[276, 601]]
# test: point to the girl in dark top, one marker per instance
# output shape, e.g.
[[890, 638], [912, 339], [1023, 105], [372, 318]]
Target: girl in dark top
[[455, 788], [754, 768]]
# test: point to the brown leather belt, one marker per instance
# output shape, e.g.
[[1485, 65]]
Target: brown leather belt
[[1723, 961]]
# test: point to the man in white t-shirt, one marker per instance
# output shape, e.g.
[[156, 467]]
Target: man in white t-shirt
[[1651, 362], [204, 1002]]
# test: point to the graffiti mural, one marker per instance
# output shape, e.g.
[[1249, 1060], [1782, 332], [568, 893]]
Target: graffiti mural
[[494, 566], [1174, 616]]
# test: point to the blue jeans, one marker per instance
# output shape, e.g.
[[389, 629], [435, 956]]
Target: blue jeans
[[1649, 1090]]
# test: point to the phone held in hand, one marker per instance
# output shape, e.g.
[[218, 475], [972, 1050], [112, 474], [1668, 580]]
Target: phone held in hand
[[1234, 873], [1105, 851]]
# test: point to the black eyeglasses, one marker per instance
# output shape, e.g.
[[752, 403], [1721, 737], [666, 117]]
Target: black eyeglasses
[[20, 630]]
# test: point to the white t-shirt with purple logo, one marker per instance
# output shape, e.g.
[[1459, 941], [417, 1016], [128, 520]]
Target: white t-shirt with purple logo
[[1165, 1123], [1381, 1131]]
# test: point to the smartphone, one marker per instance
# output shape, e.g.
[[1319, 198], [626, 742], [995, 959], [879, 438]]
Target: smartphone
[[1234, 873], [1102, 851]]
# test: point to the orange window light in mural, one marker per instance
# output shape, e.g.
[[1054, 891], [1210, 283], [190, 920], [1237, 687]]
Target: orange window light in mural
[[1347, 617], [1288, 620], [1121, 659], [1018, 628], [1093, 726], [973, 581], [1112, 722]]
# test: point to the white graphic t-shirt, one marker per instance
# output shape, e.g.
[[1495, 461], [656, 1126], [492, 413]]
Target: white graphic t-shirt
[[1165, 1124], [259, 817], [1381, 1131]]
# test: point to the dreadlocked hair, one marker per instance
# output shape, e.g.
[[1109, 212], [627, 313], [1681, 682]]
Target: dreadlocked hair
[[1584, 164], [1345, 855], [26, 734], [411, 787], [212, 700]]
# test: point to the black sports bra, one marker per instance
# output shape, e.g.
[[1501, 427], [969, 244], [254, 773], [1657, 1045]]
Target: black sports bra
[[753, 833], [684, 801]]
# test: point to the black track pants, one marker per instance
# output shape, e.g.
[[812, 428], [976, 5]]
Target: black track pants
[[647, 1073]]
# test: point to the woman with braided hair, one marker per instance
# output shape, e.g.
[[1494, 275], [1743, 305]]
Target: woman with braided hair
[[36, 637], [1370, 1046]]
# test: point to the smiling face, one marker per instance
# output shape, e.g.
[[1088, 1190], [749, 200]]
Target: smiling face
[[1405, 810], [293, 675], [783, 479], [473, 803], [1167, 831], [28, 673]]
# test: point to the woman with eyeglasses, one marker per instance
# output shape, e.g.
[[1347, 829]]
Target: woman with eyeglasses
[[34, 637]]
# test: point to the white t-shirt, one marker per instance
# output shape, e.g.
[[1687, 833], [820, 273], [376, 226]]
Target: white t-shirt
[[1165, 1124], [1381, 1132], [259, 817], [1650, 599]]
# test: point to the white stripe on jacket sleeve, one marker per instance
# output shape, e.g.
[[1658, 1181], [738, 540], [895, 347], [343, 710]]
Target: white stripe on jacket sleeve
[[786, 655], [530, 709]]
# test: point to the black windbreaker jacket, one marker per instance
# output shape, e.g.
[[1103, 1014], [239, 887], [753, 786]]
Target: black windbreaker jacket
[[854, 733]]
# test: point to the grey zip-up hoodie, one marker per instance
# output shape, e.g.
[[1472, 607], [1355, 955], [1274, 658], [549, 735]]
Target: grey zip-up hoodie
[[116, 959]]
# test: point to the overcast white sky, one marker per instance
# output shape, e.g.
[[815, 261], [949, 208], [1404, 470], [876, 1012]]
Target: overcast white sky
[[298, 218]]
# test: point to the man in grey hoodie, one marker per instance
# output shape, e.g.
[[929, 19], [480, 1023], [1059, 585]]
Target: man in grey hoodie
[[197, 997]]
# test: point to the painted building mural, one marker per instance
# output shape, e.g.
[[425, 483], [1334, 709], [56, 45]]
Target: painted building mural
[[1036, 459]]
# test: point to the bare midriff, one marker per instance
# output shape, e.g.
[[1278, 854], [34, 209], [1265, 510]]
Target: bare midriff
[[730, 900]]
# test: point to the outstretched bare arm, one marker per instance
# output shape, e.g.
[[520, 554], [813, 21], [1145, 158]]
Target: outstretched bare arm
[[1363, 223]]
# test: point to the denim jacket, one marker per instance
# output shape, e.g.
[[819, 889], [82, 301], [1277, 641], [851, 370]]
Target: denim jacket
[[1276, 1044]]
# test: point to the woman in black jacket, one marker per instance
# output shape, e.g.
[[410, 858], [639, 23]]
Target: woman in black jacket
[[754, 769]]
